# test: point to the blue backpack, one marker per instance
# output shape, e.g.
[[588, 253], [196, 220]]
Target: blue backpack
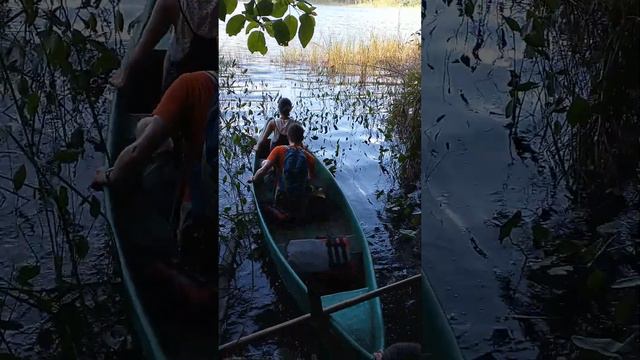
[[294, 178]]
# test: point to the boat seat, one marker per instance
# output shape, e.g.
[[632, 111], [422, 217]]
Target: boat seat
[[313, 256]]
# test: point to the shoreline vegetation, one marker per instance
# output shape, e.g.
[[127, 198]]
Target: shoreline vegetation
[[364, 58], [573, 112]]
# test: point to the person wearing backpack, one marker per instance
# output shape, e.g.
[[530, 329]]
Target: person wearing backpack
[[294, 167], [193, 45]]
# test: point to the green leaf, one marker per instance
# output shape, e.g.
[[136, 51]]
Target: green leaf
[[579, 111], [509, 225], [31, 11], [23, 87], [292, 25], [540, 234], [94, 206], [466, 60], [553, 5], [252, 25], [508, 110], [105, 63], [307, 26], [76, 140], [230, 6], [535, 39], [63, 197], [235, 24], [19, 177], [264, 7], [249, 8], [92, 22], [281, 32], [81, 246], [304, 7], [26, 273], [469, 8], [222, 10], [529, 85], [11, 325], [32, 104], [557, 127], [67, 156], [119, 21], [512, 24], [280, 8], [256, 42], [268, 26]]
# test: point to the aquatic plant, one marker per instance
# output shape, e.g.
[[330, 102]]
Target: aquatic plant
[[344, 120], [378, 59], [571, 108], [365, 58], [404, 126], [53, 69]]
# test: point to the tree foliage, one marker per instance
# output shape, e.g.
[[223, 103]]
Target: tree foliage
[[279, 19]]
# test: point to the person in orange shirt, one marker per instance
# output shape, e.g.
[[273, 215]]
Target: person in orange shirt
[[294, 167], [180, 118]]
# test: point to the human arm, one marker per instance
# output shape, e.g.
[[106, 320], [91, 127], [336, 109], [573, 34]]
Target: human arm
[[134, 155], [311, 162], [266, 166], [165, 14], [265, 134]]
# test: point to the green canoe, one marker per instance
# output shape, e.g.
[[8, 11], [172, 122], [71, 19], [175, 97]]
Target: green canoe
[[142, 229], [438, 340], [119, 134], [359, 327]]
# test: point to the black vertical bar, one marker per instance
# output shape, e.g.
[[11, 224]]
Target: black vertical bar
[[320, 322], [211, 157]]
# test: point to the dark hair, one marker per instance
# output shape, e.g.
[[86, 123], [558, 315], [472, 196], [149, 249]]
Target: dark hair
[[402, 351], [295, 133], [285, 106]]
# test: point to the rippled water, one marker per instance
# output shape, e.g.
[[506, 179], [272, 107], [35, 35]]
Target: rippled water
[[471, 174], [259, 300], [476, 177]]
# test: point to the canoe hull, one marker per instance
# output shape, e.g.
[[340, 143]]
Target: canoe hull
[[369, 312]]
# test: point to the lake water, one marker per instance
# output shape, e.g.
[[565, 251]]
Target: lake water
[[472, 178], [479, 173], [258, 299]]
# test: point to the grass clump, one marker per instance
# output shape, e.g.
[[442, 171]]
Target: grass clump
[[403, 125], [362, 58]]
